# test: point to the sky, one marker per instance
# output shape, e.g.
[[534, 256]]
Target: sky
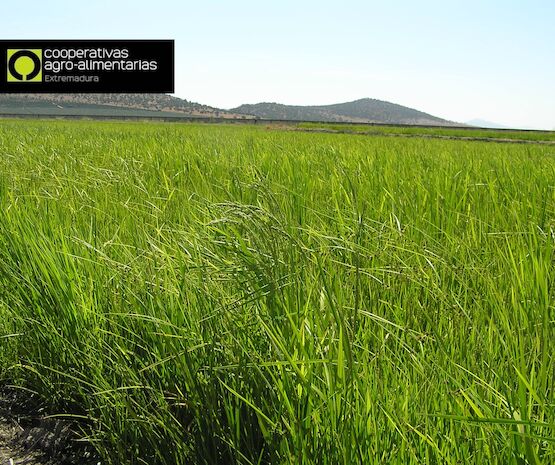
[[489, 59]]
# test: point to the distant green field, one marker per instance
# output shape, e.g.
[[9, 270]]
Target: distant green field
[[211, 294], [44, 108], [439, 131]]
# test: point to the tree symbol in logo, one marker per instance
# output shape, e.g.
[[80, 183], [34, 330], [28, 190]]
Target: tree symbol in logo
[[24, 65]]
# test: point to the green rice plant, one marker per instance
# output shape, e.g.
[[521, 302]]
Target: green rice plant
[[232, 295]]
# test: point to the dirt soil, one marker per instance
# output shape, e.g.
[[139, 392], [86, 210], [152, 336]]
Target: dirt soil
[[11, 451], [29, 437]]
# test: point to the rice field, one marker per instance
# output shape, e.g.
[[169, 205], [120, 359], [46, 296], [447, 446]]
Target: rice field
[[544, 137], [211, 294]]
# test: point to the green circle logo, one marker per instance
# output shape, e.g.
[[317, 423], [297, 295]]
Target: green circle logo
[[24, 65]]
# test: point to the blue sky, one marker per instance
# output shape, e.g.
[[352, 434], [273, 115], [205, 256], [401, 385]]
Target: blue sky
[[460, 60]]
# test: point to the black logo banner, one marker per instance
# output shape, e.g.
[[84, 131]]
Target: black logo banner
[[103, 66]]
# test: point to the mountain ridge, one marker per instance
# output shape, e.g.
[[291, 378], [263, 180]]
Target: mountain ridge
[[482, 123], [141, 104], [364, 110]]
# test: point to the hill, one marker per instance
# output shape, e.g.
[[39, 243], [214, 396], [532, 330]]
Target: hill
[[163, 105], [482, 123], [107, 105], [364, 111]]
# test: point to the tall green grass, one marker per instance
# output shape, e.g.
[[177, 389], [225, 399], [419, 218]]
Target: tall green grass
[[225, 295]]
